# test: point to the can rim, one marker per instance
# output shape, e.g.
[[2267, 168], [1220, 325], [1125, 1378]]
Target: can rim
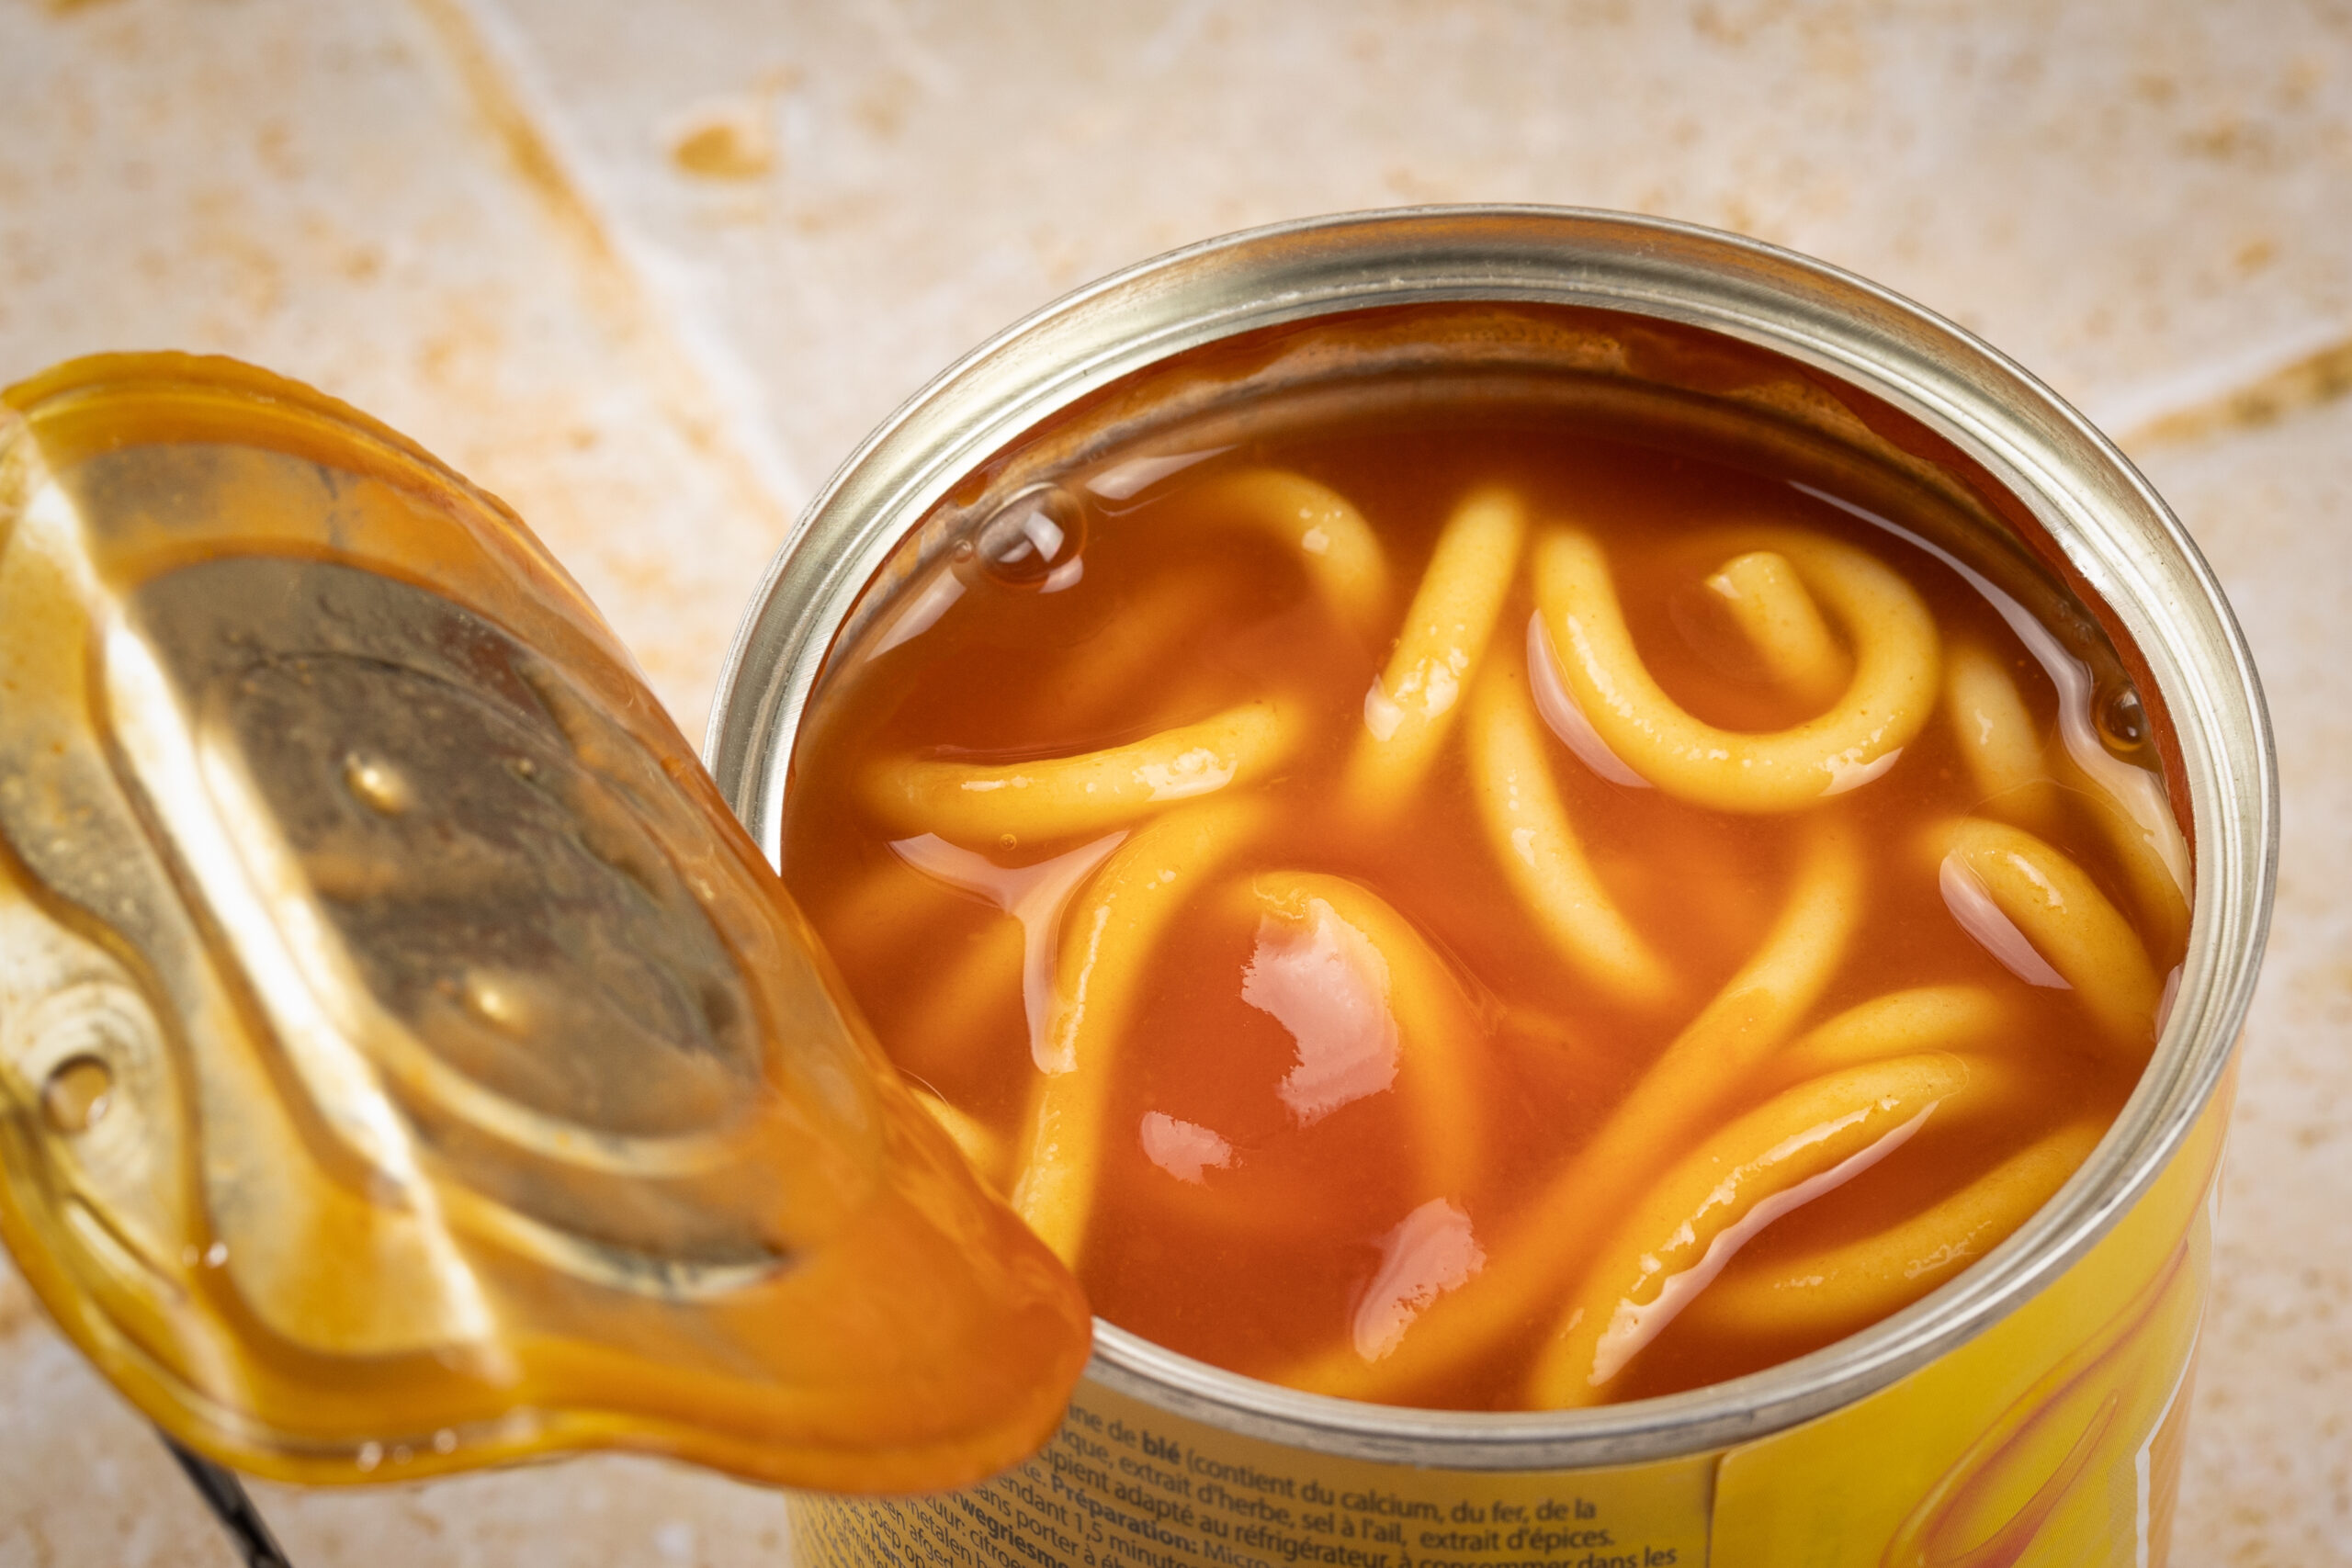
[[2103, 516]]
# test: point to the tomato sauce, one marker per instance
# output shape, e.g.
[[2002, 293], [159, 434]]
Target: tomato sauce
[[1372, 1102]]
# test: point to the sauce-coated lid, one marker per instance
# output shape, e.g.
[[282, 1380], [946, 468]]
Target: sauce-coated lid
[[406, 1061]]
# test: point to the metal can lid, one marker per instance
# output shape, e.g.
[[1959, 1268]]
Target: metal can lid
[[411, 1062]]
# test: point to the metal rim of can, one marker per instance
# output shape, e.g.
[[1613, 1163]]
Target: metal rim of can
[[2094, 505]]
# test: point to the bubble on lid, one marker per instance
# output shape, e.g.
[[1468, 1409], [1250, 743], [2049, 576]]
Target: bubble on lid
[[498, 999]]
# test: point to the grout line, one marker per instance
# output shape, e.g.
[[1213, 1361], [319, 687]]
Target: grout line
[[2310, 378], [713, 401]]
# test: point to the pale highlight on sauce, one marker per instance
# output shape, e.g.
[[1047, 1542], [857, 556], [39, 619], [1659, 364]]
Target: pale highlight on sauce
[[1476, 914]]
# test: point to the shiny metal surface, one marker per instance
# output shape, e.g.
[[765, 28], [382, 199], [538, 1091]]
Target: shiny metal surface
[[2113, 531], [406, 1065]]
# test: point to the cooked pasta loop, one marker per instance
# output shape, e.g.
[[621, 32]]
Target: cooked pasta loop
[[1924, 1017], [1413, 705], [1055, 797], [1748, 1020], [1760, 593], [1538, 849], [1337, 548], [1997, 738], [2066, 920], [1889, 698], [1108, 937], [1034, 895], [1835, 1290], [1796, 1146], [2148, 856], [1437, 1024]]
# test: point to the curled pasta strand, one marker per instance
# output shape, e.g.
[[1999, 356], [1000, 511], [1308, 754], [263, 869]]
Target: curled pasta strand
[[2132, 802], [1537, 847], [1889, 698], [1336, 546], [1900, 1023], [979, 1146], [1108, 937], [1756, 1010], [2149, 859], [1561, 714], [1148, 638], [1997, 738], [1835, 1290], [1749, 1019], [1437, 1023], [2128, 803], [1033, 895], [1413, 705], [1765, 599], [948, 1025], [1793, 1149], [2068, 923], [1051, 798]]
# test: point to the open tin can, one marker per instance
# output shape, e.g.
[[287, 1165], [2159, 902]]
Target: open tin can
[[2033, 1411]]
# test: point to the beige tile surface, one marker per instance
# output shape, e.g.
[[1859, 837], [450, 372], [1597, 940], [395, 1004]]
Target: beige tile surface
[[650, 271], [2132, 199], [323, 188], [2269, 1477]]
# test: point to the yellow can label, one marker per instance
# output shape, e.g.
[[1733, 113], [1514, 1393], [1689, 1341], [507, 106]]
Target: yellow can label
[[1125, 1482], [2052, 1440]]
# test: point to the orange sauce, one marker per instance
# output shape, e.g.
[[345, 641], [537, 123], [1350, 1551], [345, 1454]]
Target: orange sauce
[[1274, 1193]]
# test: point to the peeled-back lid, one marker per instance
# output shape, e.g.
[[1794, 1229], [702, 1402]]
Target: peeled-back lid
[[407, 1063]]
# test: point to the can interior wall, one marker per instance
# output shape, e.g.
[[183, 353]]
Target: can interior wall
[[2031, 483]]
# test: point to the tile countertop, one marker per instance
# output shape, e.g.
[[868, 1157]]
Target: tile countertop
[[649, 271]]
